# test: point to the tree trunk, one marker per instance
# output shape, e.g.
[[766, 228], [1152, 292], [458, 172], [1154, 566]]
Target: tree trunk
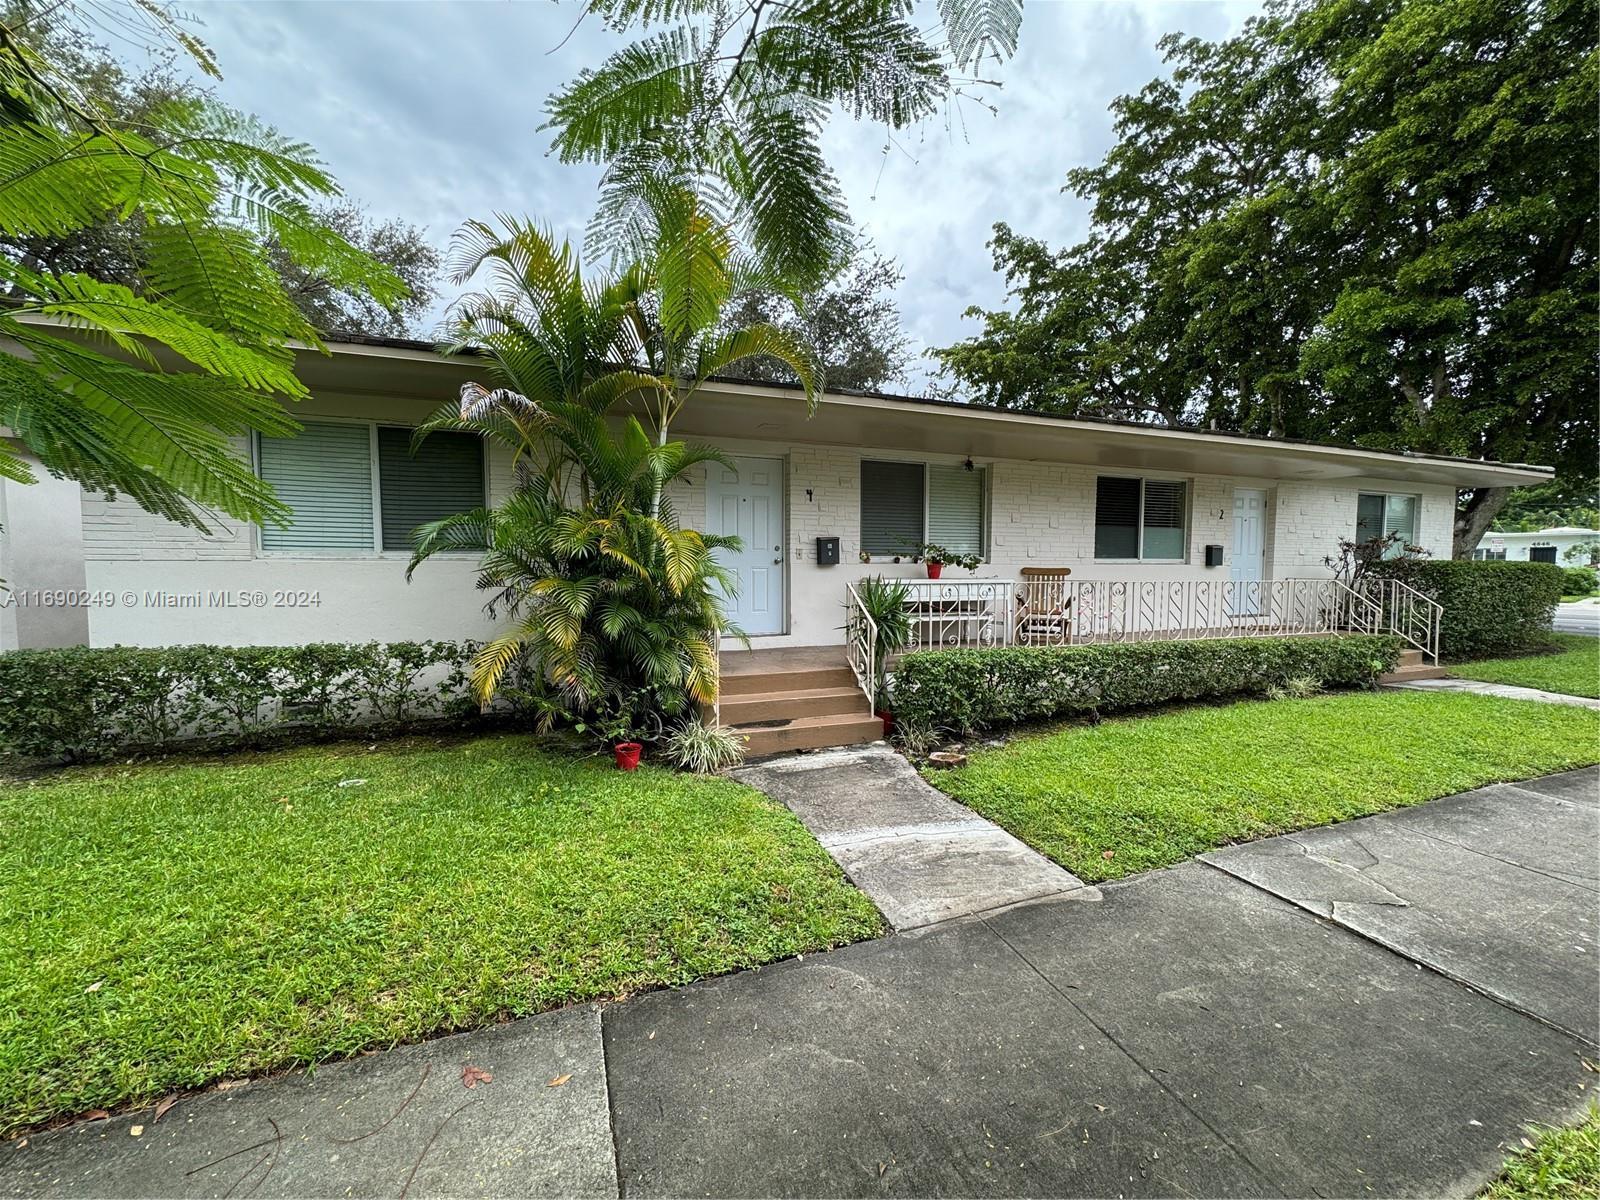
[[1473, 520]]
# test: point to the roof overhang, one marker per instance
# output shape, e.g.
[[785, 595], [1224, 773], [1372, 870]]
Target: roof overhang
[[728, 410], [409, 373]]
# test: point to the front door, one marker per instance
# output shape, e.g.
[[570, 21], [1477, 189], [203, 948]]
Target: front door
[[1249, 549], [746, 500]]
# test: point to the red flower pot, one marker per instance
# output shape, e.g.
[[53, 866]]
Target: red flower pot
[[934, 568], [627, 754], [888, 721]]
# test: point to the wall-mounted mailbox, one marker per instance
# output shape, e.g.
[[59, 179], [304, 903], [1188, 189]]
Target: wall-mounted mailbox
[[1213, 556], [827, 552]]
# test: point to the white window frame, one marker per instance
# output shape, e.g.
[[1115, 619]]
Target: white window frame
[[1188, 516], [1416, 518], [984, 502], [377, 551]]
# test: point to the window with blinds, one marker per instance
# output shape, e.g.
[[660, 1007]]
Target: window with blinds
[[904, 505], [1163, 523], [1141, 520], [444, 477], [324, 474], [1116, 517], [1379, 514], [956, 509], [892, 506]]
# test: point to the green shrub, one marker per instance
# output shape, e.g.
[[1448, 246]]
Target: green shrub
[[1489, 607], [85, 703], [1579, 581], [966, 690]]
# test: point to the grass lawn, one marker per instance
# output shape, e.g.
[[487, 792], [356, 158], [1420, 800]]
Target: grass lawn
[[168, 925], [1109, 800], [1557, 1164], [1574, 669]]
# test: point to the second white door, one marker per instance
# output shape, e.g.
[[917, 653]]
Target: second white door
[[1245, 566], [746, 500]]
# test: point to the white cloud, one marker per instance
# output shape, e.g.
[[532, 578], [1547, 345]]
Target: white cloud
[[430, 112]]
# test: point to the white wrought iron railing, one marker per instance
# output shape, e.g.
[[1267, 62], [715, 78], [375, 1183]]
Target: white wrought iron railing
[[1049, 609], [1407, 612], [1054, 611], [1046, 608], [861, 643], [960, 612]]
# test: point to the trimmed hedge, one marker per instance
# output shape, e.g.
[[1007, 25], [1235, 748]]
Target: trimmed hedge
[[1579, 581], [85, 703], [969, 689], [1489, 607]]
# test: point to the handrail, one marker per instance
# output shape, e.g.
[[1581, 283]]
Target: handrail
[[1352, 598], [861, 643], [1413, 615]]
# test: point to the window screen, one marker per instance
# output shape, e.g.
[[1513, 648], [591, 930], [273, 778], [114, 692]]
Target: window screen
[[1378, 515], [1163, 519], [323, 473], [955, 508], [1116, 517], [444, 477], [891, 507]]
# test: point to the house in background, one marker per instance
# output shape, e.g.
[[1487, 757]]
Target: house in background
[[1086, 530], [1544, 545]]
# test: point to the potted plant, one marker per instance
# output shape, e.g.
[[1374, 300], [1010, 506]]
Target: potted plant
[[615, 730], [885, 602], [936, 556]]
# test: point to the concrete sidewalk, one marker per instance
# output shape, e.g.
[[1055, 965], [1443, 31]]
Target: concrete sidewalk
[[1372, 1009]]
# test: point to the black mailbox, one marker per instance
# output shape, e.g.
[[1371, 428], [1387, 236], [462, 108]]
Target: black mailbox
[[1213, 556], [827, 552]]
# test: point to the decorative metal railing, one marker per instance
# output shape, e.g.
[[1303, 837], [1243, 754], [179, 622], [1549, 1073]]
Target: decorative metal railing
[[1057, 612], [1407, 612], [861, 643], [960, 612], [1047, 608]]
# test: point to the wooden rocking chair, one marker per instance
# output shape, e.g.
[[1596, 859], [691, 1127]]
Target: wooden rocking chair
[[1044, 608]]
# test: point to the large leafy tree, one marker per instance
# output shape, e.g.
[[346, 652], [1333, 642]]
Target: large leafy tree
[[111, 251], [142, 389], [1361, 220], [852, 322], [729, 100]]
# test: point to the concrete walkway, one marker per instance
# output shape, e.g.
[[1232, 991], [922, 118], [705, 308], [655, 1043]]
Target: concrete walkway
[[1372, 1009], [919, 855], [1479, 688]]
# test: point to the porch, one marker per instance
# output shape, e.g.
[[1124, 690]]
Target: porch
[[799, 697]]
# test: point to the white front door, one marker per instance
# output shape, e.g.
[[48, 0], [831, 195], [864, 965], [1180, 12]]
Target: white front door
[[746, 500], [1249, 549]]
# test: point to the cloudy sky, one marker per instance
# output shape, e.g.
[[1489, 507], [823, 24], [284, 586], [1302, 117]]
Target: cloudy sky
[[430, 112]]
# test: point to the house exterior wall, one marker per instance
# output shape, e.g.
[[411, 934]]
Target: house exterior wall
[[172, 586], [168, 585], [1518, 546]]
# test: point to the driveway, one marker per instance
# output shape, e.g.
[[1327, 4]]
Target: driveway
[[1372, 1009]]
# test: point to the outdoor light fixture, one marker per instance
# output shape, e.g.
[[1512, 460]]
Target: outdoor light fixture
[[968, 464]]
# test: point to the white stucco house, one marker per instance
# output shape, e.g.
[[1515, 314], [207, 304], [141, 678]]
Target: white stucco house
[[1116, 505], [1544, 545]]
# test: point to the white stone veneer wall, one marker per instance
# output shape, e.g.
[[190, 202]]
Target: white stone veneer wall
[[1040, 515]]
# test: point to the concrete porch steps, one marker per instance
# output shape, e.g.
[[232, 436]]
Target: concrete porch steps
[[801, 698], [1411, 667]]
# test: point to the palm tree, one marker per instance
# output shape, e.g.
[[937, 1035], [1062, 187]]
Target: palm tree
[[615, 607], [687, 272], [611, 597]]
